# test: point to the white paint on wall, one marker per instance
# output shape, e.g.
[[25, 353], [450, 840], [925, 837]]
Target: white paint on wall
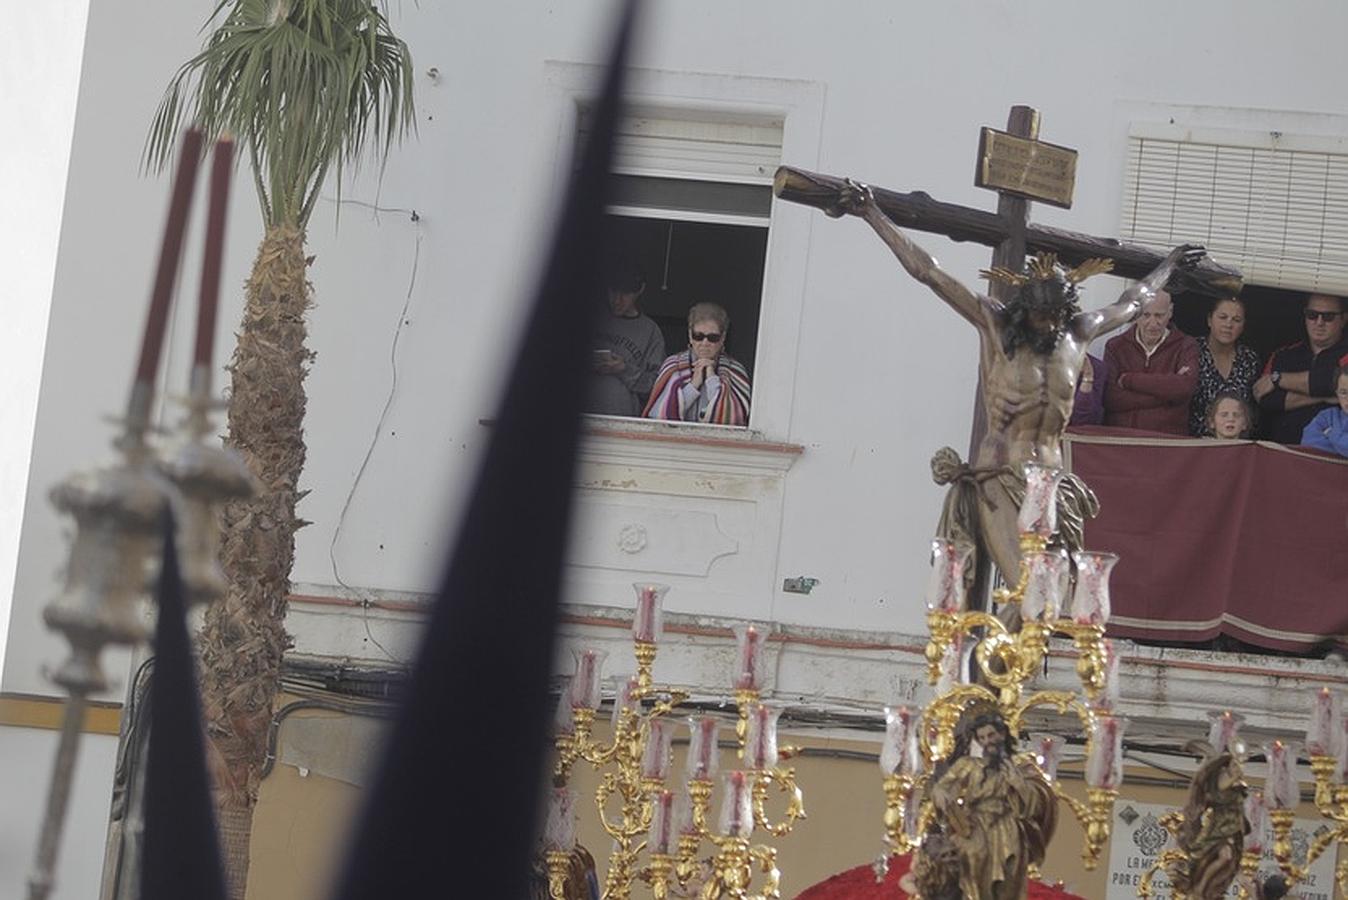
[[40, 50]]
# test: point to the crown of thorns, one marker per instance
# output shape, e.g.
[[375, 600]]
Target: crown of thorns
[[1044, 267]]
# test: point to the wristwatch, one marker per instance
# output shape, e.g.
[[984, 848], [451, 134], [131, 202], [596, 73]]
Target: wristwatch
[[1275, 376]]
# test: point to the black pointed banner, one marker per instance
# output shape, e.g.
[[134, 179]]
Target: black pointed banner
[[452, 809], [181, 851]]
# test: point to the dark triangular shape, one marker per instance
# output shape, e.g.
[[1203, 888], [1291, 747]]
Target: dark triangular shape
[[452, 809]]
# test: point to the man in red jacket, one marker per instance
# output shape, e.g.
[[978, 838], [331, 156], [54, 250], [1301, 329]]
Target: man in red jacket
[[1153, 372]]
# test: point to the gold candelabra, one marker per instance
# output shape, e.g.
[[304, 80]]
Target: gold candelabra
[[1327, 747], [658, 833], [975, 659]]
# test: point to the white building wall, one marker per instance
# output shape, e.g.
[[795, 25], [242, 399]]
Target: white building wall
[[882, 374]]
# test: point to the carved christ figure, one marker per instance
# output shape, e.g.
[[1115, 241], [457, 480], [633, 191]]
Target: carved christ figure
[[1032, 349]]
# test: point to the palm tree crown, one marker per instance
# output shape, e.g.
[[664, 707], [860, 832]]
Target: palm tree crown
[[303, 84]]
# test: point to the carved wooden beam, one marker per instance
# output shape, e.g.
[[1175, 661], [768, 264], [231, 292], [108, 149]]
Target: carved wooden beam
[[917, 210]]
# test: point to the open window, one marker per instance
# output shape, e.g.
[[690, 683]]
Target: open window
[[1269, 203], [691, 211]]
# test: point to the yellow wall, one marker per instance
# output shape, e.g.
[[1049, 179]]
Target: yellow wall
[[301, 823]]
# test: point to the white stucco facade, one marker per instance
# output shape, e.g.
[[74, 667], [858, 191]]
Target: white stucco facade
[[862, 372]]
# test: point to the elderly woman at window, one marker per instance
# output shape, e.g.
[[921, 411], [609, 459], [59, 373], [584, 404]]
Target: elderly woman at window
[[702, 383]]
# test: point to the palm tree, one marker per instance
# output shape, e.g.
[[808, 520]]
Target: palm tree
[[305, 86]]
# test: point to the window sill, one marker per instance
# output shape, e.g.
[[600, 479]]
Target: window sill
[[629, 440]]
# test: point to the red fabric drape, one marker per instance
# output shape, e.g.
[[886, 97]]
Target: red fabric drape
[[859, 884], [1246, 539]]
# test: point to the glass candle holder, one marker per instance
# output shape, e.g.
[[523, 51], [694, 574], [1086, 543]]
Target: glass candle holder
[[1048, 754], [1281, 790], [685, 819], [624, 698], [559, 828], [1104, 758], [703, 753], [899, 753], [1224, 732], [749, 657], [1047, 572], [737, 806], [564, 718], [1038, 513], [760, 745], [1256, 813], [1109, 691], [657, 754], [1341, 766], [955, 663], [648, 623], [586, 686], [1090, 600], [1323, 733], [945, 588], [663, 825]]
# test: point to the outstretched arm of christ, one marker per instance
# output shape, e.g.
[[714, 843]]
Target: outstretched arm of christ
[[857, 200], [1129, 305]]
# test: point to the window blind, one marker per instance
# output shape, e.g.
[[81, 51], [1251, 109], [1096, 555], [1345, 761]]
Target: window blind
[[1272, 206]]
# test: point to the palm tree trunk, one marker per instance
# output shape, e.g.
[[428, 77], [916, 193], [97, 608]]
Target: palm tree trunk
[[244, 634]]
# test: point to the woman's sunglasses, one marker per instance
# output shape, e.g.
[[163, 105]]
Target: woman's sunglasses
[[710, 336]]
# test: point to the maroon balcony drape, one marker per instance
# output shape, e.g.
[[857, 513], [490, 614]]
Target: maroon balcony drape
[[1219, 537]]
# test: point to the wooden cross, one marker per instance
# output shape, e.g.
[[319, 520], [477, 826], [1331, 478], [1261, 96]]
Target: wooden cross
[[1028, 168], [1009, 229]]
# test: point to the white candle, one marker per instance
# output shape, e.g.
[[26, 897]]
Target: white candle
[[586, 687], [1256, 813], [559, 829], [1048, 754], [737, 806], [1109, 693], [1223, 728], [1090, 601], [1322, 735], [1044, 587], [564, 719], [648, 623], [684, 819], [748, 658], [760, 747], [1104, 758], [1281, 790], [1341, 768], [945, 587], [625, 698], [662, 823], [900, 741], [702, 749], [1039, 510], [656, 755]]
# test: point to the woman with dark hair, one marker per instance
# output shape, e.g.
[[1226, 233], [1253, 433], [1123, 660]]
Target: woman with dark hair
[[1224, 364], [702, 383]]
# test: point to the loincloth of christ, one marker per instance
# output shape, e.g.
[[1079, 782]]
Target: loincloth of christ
[[962, 520]]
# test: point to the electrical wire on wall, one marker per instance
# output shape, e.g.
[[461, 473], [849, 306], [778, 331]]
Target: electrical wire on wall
[[366, 601]]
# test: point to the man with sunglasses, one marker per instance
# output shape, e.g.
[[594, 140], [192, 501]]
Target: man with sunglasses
[[1298, 381]]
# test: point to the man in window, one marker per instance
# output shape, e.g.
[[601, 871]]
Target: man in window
[[1298, 381], [628, 348], [1153, 372]]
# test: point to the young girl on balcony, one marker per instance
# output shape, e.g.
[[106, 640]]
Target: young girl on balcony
[[1229, 417]]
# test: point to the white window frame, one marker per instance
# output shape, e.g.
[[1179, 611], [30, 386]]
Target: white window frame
[[800, 107]]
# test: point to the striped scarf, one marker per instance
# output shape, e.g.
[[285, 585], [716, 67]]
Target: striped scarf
[[730, 407]]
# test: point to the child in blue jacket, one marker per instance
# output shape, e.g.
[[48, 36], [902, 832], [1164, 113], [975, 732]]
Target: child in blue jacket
[[1329, 429]]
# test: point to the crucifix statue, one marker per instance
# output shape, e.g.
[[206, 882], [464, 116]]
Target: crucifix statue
[[1032, 336]]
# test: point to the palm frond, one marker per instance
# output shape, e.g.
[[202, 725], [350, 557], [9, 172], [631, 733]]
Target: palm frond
[[309, 85]]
